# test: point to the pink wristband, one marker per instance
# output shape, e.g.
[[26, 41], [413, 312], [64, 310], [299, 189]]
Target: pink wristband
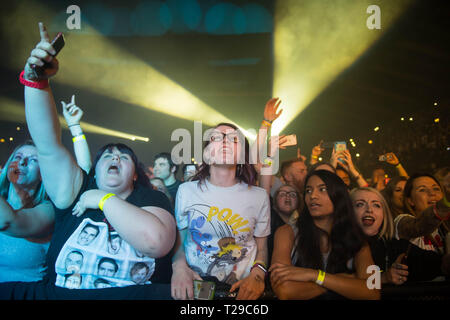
[[38, 85]]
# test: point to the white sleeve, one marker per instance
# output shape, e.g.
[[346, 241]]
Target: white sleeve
[[180, 205], [262, 226]]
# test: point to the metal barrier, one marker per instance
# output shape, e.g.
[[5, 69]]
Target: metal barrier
[[426, 291]]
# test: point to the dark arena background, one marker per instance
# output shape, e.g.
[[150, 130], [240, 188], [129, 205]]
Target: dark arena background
[[372, 73], [146, 68]]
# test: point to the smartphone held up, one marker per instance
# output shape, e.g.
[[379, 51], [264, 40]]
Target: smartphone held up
[[291, 140], [57, 44]]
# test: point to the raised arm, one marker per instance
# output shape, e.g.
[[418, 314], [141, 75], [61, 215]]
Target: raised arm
[[408, 226], [357, 176], [392, 159], [72, 113], [271, 113], [61, 176], [267, 170], [315, 153]]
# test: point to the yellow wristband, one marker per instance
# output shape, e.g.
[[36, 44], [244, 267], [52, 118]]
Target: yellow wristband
[[102, 201], [266, 123], [320, 277], [78, 138]]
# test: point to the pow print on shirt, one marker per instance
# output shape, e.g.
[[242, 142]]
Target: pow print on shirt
[[216, 242], [95, 256]]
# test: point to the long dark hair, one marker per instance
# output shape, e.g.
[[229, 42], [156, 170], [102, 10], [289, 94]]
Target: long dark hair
[[345, 239], [142, 178], [244, 172], [388, 193]]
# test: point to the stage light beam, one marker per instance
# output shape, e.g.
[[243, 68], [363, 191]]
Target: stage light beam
[[314, 41], [14, 111]]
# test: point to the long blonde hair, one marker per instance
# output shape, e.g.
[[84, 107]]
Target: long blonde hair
[[387, 228], [40, 194]]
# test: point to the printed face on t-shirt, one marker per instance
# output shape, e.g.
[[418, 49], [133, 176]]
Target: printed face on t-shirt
[[139, 275], [87, 235], [107, 269], [114, 244], [73, 281], [74, 261]]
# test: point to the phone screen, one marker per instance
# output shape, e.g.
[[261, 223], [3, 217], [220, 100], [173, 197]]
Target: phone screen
[[204, 290], [58, 43], [340, 146], [291, 140]]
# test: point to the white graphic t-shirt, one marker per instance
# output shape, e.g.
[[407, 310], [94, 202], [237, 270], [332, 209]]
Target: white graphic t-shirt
[[222, 223]]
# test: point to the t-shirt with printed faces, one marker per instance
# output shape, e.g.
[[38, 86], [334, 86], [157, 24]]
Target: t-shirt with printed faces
[[221, 223], [87, 253]]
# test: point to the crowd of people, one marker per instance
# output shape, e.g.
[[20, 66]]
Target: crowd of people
[[108, 228]]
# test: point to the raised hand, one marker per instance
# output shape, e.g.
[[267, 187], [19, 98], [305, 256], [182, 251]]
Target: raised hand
[[72, 113], [300, 156], [317, 150], [88, 200], [271, 112], [347, 158], [392, 159], [334, 158], [41, 54]]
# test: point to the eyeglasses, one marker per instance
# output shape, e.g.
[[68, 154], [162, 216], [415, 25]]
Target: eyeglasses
[[291, 194], [219, 136]]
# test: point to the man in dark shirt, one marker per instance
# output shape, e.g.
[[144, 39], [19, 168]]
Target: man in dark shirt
[[165, 169]]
